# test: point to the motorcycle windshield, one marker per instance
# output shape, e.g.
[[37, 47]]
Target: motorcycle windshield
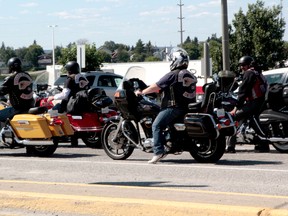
[[134, 72]]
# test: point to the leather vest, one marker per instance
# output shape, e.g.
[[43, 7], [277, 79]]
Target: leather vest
[[181, 92]]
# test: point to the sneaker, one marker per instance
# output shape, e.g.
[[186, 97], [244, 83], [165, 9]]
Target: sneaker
[[230, 149], [262, 148], [157, 158]]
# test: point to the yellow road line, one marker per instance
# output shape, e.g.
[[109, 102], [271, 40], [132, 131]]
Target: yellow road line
[[147, 188], [111, 206], [75, 204]]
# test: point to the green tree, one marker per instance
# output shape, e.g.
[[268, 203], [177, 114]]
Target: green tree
[[258, 33], [68, 53], [94, 59], [139, 48], [21, 52], [33, 52], [192, 48], [6, 53]]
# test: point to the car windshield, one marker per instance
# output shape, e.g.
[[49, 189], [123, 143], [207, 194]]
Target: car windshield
[[274, 78]]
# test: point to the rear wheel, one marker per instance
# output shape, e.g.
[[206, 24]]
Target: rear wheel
[[117, 146], [92, 139], [281, 147], [208, 150], [43, 150]]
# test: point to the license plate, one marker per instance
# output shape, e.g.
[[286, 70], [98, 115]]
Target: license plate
[[220, 112]]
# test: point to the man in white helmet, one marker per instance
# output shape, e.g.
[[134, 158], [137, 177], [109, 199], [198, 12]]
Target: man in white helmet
[[178, 88]]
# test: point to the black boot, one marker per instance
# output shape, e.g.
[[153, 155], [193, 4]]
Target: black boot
[[263, 147], [74, 141], [230, 143]]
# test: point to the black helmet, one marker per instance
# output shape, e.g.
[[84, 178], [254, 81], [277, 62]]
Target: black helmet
[[179, 58], [246, 60], [14, 64], [72, 67]]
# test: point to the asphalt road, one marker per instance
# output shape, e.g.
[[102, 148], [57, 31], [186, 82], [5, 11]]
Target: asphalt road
[[84, 181]]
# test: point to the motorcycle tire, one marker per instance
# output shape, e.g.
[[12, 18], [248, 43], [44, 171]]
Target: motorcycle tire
[[92, 140], [208, 150], [282, 148], [42, 150], [120, 149]]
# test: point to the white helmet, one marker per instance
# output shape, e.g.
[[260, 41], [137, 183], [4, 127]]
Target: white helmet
[[179, 58]]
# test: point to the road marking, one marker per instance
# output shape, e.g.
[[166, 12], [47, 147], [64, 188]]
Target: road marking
[[147, 188], [162, 164], [79, 204]]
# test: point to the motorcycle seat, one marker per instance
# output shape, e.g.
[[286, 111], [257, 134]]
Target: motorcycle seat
[[37, 110]]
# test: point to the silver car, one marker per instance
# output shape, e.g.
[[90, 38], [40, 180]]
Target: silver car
[[98, 79]]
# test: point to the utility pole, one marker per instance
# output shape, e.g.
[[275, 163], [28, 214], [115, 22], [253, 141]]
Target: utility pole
[[225, 37], [281, 5], [181, 19]]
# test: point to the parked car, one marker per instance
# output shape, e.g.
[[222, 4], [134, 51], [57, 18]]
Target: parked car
[[277, 75], [97, 79]]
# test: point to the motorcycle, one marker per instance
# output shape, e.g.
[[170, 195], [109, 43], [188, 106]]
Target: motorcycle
[[88, 124], [271, 126], [38, 131], [202, 131]]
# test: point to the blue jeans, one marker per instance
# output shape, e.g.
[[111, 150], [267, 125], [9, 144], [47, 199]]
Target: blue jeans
[[8, 112], [164, 118]]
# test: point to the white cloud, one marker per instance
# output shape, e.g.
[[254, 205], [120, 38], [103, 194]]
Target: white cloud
[[160, 11], [29, 4]]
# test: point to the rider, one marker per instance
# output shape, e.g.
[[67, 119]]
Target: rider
[[178, 89], [74, 83], [19, 87], [251, 97]]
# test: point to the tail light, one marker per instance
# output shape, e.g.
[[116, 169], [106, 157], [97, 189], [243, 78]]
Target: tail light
[[56, 121], [225, 121]]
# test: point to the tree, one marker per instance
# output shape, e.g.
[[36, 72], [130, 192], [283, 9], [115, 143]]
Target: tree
[[93, 58], [139, 48], [192, 48], [33, 52], [258, 33], [21, 52], [68, 54], [6, 53]]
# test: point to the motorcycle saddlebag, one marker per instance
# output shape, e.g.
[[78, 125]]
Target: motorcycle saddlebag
[[201, 125], [60, 130], [30, 126], [88, 122]]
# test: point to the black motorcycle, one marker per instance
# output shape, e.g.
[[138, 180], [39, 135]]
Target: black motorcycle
[[202, 131], [271, 126]]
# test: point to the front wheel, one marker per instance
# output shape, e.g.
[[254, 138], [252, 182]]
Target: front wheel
[[117, 146], [43, 150], [208, 150]]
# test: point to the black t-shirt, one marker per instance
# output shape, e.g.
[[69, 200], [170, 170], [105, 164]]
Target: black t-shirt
[[178, 89]]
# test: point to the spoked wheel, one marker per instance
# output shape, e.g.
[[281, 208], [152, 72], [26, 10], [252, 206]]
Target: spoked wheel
[[43, 150], [208, 150], [281, 147], [92, 140], [117, 146]]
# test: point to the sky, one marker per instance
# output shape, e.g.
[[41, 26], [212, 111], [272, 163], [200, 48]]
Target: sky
[[121, 21]]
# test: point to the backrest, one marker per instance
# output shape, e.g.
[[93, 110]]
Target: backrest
[[208, 96]]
